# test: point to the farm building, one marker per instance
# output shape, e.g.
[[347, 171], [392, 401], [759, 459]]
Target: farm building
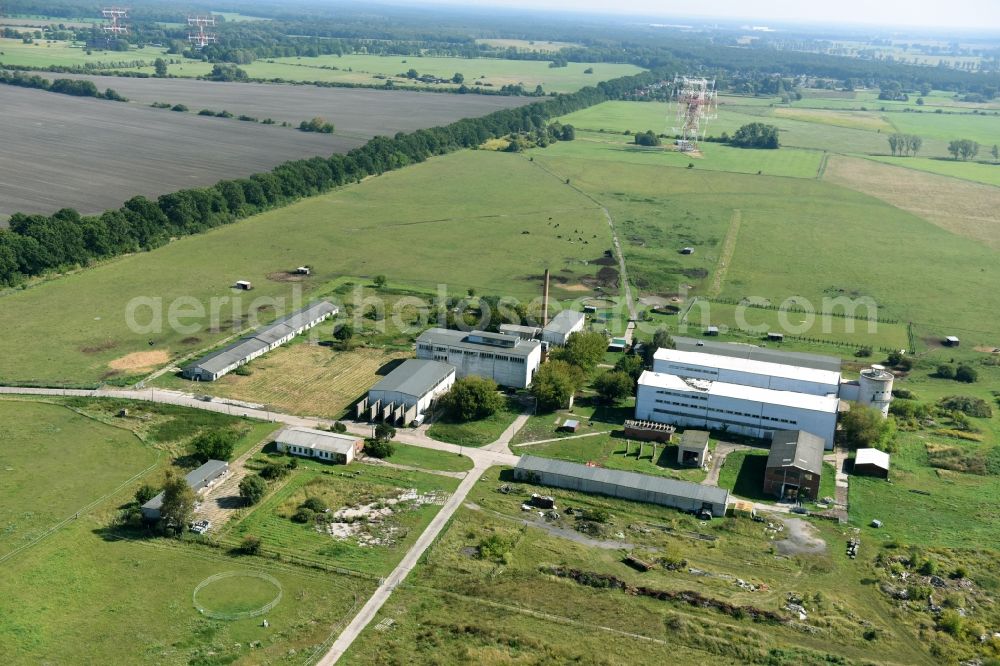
[[952, 341], [200, 480], [407, 392], [871, 462], [570, 425], [712, 330], [245, 285], [617, 344], [625, 485], [794, 465], [746, 372], [564, 324], [745, 410], [264, 339], [755, 353], [693, 449], [319, 444], [507, 360]]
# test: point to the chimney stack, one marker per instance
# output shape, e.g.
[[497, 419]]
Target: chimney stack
[[545, 300]]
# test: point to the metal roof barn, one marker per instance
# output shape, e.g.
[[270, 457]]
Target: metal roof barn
[[414, 377], [624, 485]]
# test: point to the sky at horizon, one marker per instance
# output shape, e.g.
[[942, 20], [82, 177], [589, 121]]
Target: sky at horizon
[[972, 14]]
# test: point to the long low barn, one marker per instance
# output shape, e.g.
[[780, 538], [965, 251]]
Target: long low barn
[[212, 366], [311, 443], [625, 485], [199, 479]]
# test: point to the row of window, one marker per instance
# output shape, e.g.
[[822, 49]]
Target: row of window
[[730, 412], [687, 368], [689, 396]]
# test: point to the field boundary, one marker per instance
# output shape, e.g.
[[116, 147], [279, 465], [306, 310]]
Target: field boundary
[[726, 256]]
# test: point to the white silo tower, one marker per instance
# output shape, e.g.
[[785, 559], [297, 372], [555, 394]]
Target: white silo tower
[[876, 388]]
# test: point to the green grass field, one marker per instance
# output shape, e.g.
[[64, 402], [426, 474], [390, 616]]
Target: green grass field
[[416, 456], [363, 484], [55, 462], [435, 224], [13, 52], [475, 433], [978, 172], [556, 620]]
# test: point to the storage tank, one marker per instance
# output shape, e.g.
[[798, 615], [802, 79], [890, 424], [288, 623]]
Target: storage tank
[[876, 388]]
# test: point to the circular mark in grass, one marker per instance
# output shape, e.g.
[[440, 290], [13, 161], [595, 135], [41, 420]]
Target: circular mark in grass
[[236, 595]]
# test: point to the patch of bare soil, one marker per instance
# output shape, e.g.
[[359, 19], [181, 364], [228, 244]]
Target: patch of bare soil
[[575, 287], [285, 276], [801, 539], [987, 349], [100, 347], [140, 360], [964, 208]]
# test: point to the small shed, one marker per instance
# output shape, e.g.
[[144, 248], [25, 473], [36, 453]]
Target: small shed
[[245, 285], [693, 449], [570, 425], [589, 309], [951, 341], [302, 270], [687, 250], [775, 337], [743, 509], [712, 330], [871, 462]]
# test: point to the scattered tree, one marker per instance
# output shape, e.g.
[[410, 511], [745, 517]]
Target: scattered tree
[[250, 545], [945, 371], [160, 67], [614, 386], [227, 72], [584, 349], [995, 152], [458, 78], [966, 373], [144, 493], [964, 149], [315, 504], [472, 398], [178, 501], [214, 445], [904, 144], [756, 135], [630, 364], [344, 332], [252, 489], [379, 281], [379, 448], [647, 138], [555, 383], [384, 432], [661, 340], [864, 427], [317, 124]]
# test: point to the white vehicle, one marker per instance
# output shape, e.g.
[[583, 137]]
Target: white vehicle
[[201, 526]]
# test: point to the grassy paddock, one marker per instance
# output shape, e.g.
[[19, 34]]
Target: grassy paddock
[[475, 433]]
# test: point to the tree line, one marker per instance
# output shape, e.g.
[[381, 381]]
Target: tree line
[[77, 88], [904, 145], [36, 244]]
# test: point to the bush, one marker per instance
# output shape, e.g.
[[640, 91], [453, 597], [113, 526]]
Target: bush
[[756, 135], [950, 622], [945, 371], [252, 489], [647, 138], [379, 448], [315, 504], [317, 124], [250, 545], [967, 405], [967, 374], [304, 515], [614, 386], [214, 445], [928, 568], [597, 515], [338, 427], [495, 548], [243, 371], [272, 471], [180, 108], [894, 358], [144, 493]]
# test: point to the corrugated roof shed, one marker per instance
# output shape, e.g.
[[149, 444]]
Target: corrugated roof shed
[[615, 477], [796, 448], [317, 439], [565, 322], [196, 478], [755, 353], [415, 377]]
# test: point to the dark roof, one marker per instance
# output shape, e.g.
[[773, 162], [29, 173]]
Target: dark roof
[[691, 439], [479, 341], [415, 377], [796, 448], [755, 353], [613, 477]]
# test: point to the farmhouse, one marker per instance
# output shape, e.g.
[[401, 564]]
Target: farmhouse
[[407, 392], [745, 410], [625, 485], [200, 480], [794, 465], [746, 372], [264, 339], [564, 324], [319, 444], [693, 449], [871, 462], [507, 360]]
